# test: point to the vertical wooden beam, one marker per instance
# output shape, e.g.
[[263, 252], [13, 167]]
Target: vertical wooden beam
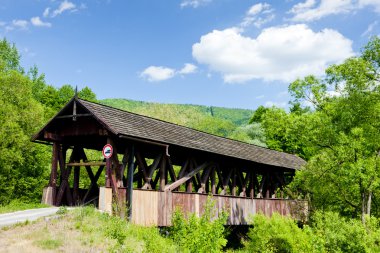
[[252, 186], [131, 168], [163, 173], [76, 185], [54, 172], [233, 192], [226, 182], [213, 186], [152, 168]]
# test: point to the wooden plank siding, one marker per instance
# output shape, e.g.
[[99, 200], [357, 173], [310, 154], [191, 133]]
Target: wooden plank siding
[[155, 208]]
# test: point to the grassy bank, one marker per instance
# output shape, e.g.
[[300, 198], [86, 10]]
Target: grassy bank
[[17, 205]]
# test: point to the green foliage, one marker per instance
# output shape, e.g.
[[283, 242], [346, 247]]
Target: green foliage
[[121, 236], [287, 132], [178, 113], [199, 234], [338, 234], [257, 116], [26, 103], [18, 205], [22, 163], [252, 133], [9, 56], [49, 244], [279, 234], [340, 137], [327, 232]]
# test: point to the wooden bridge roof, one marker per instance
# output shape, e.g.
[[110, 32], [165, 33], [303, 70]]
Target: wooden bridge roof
[[123, 123]]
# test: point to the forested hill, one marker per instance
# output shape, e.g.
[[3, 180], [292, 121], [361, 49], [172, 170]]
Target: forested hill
[[181, 114]]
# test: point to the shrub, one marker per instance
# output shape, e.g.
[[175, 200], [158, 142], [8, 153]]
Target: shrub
[[339, 234], [199, 234], [279, 234]]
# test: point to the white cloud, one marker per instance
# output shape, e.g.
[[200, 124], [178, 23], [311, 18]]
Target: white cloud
[[194, 3], [188, 69], [19, 23], [257, 8], [371, 3], [369, 29], [278, 53], [36, 21], [310, 10], [260, 97], [258, 15], [46, 12], [307, 11], [160, 73], [157, 73], [64, 6]]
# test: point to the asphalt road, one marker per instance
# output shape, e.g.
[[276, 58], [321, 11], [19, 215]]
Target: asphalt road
[[8, 219]]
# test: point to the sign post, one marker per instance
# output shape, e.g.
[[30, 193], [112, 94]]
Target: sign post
[[107, 154]]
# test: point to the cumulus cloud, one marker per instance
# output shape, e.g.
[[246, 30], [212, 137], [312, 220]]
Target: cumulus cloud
[[188, 69], [160, 73], [36, 21], [157, 73], [311, 10], [277, 53], [194, 3], [64, 6]]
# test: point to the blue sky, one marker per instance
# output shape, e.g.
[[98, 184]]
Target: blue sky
[[233, 53]]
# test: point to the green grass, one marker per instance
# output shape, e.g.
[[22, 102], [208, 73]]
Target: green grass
[[49, 244], [16, 205]]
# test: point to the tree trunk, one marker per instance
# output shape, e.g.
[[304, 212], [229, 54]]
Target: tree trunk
[[369, 201], [366, 205], [364, 202]]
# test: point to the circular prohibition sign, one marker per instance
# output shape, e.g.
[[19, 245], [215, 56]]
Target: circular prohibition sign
[[107, 151]]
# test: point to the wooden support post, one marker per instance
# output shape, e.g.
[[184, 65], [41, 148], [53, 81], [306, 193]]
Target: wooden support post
[[226, 182], [54, 172], [204, 180], [213, 186], [261, 187], [252, 186], [173, 177], [131, 168], [76, 197], [244, 185], [189, 184], [163, 173], [234, 182], [153, 167]]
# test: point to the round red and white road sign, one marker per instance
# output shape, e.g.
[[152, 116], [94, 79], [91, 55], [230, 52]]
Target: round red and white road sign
[[107, 151]]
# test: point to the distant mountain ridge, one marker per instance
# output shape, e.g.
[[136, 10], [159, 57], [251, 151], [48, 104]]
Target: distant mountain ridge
[[226, 122], [175, 112]]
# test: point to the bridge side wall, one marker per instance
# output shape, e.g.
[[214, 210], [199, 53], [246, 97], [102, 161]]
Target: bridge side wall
[[155, 208]]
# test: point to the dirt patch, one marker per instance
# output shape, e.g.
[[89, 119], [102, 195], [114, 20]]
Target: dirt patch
[[54, 235]]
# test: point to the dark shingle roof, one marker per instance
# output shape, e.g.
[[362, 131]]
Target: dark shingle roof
[[125, 123]]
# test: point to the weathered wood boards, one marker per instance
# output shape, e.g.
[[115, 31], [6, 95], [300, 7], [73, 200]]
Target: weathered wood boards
[[153, 208]]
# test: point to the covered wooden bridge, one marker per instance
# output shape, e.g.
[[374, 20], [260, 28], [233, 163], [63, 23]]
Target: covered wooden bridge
[[158, 166]]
